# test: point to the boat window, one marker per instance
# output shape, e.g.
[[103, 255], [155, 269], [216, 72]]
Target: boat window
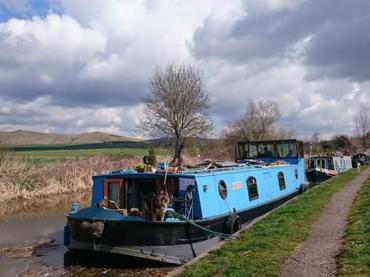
[[114, 191], [252, 151], [269, 149], [222, 189], [265, 150], [330, 164], [319, 163], [281, 179], [241, 151], [312, 163], [323, 163], [296, 173], [252, 188], [286, 150]]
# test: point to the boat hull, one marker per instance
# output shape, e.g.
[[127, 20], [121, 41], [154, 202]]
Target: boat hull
[[174, 242], [318, 176]]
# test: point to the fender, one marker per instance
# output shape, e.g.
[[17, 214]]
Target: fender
[[94, 230], [232, 224]]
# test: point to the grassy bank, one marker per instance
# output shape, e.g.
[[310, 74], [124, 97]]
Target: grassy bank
[[263, 249], [354, 259]]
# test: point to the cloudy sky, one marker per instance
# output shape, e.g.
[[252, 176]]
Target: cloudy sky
[[75, 66]]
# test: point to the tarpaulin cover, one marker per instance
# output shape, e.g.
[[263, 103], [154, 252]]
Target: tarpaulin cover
[[102, 214]]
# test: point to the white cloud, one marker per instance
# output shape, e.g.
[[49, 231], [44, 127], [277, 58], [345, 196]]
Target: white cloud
[[41, 115], [54, 39], [88, 67]]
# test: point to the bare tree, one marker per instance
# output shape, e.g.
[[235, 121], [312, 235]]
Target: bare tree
[[315, 140], [258, 122], [176, 106], [362, 124]]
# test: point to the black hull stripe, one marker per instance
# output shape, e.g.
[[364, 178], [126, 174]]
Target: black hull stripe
[[137, 233]]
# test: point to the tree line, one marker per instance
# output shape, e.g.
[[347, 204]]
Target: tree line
[[177, 105]]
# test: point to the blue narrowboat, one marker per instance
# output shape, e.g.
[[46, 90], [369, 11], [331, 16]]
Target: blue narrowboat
[[206, 204]]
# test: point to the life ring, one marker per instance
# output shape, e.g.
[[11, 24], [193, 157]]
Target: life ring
[[94, 230], [232, 224]]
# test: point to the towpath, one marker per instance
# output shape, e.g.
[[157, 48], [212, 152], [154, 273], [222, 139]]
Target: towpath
[[317, 255]]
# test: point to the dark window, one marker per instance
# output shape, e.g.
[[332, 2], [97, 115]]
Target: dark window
[[265, 150], [114, 191], [330, 164], [252, 188], [312, 163], [296, 173], [222, 189], [281, 180], [253, 153], [323, 163], [318, 163]]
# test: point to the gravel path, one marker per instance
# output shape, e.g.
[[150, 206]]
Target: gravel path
[[317, 255]]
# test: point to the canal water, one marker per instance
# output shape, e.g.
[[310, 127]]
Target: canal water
[[31, 244]]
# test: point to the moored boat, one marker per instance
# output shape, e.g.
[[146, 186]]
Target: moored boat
[[322, 167], [173, 216]]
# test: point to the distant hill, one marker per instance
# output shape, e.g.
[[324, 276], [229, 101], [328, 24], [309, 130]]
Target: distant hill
[[188, 141], [22, 137]]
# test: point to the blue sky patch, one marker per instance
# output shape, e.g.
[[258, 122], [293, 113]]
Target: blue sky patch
[[26, 9]]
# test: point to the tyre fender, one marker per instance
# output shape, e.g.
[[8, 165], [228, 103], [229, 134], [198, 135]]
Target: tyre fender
[[94, 230], [303, 188], [232, 224]]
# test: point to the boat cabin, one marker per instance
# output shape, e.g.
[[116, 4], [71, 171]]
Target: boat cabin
[[269, 150], [207, 192], [321, 162], [338, 163], [128, 190]]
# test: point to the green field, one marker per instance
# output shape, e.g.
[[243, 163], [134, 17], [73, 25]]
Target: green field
[[263, 249], [41, 157], [354, 259]]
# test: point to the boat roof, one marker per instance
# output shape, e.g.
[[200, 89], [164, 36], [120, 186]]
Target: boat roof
[[328, 155], [270, 141], [187, 173]]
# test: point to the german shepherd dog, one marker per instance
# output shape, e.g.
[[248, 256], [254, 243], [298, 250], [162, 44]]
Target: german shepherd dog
[[155, 204]]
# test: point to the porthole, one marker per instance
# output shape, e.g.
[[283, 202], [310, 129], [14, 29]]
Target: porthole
[[252, 188], [281, 180], [222, 189], [296, 173]]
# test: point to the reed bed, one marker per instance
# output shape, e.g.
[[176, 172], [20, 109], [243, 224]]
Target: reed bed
[[22, 180]]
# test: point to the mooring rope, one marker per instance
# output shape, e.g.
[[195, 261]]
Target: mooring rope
[[221, 235]]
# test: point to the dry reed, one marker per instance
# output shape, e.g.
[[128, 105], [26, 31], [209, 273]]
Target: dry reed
[[21, 180]]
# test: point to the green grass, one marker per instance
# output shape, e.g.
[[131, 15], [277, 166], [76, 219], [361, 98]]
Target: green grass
[[41, 157], [263, 249], [354, 259]]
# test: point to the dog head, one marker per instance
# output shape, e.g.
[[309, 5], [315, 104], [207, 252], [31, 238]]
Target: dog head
[[162, 195]]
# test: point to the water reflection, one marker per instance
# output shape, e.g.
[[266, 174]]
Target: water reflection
[[31, 243], [51, 205]]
